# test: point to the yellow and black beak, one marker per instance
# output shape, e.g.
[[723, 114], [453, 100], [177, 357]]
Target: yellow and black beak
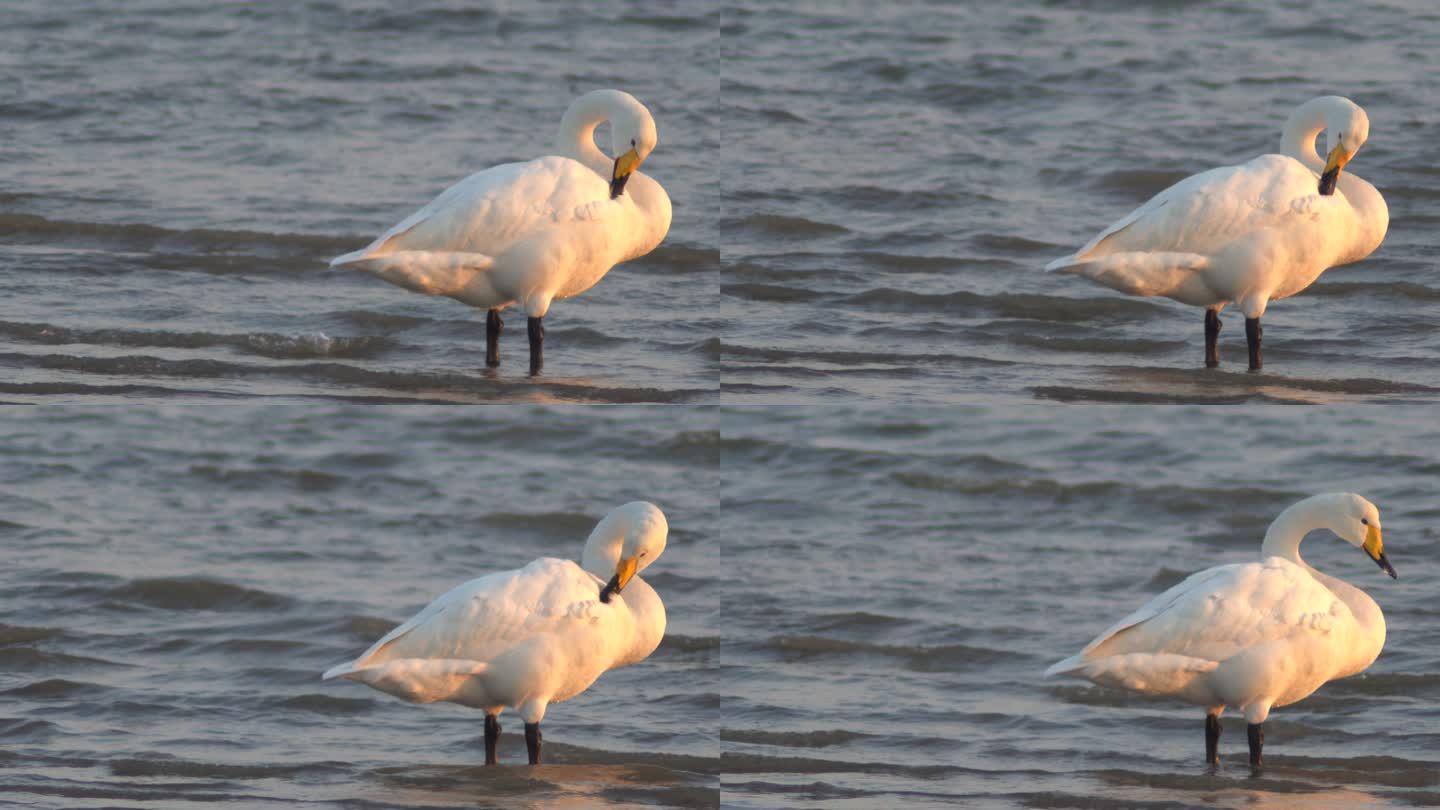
[[1375, 547], [624, 570], [624, 166], [1333, 164]]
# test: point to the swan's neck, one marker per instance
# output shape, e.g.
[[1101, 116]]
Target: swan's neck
[[1283, 537], [1283, 540], [602, 550], [1297, 140], [576, 138]]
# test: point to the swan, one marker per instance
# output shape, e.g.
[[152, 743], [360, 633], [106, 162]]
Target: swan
[[1250, 636], [525, 234], [527, 638], [1252, 233]]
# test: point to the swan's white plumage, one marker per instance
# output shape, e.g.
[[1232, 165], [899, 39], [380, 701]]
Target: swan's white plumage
[[529, 637], [1248, 234], [1252, 635], [528, 233]]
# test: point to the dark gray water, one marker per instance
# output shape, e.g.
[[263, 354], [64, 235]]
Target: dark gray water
[[910, 572], [176, 580], [908, 169], [174, 177], [863, 587]]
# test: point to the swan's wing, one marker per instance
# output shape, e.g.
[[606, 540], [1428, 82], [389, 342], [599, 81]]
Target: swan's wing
[[1201, 214], [1217, 613], [479, 620], [489, 211]]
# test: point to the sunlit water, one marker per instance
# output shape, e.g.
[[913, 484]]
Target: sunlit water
[[909, 573], [173, 181], [901, 174], [176, 579]]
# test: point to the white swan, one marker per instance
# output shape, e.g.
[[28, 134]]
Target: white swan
[[1252, 635], [530, 637], [1252, 233], [528, 233]]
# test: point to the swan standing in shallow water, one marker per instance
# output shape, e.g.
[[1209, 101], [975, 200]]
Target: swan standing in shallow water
[[1250, 636], [1252, 233], [528, 638], [527, 233]]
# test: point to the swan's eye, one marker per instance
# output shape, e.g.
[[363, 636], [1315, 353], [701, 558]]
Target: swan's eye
[[1364, 521], [632, 141]]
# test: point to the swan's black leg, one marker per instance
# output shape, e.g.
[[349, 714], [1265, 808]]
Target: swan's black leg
[[1212, 739], [1212, 332], [492, 732], [1252, 337], [532, 739], [1256, 733], [537, 341], [493, 327]]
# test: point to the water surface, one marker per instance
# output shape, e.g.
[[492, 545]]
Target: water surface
[[901, 175], [909, 573], [175, 177], [176, 579]]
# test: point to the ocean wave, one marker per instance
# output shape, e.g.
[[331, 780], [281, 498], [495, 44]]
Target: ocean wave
[[31, 659], [436, 386], [771, 354], [327, 705], [287, 347], [783, 227], [770, 293], [153, 238], [161, 765], [21, 634], [791, 739], [195, 593], [1007, 305], [918, 658], [562, 524], [55, 689]]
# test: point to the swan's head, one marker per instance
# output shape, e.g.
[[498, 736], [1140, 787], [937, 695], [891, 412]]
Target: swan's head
[[1357, 522], [633, 138], [624, 544], [1346, 129]]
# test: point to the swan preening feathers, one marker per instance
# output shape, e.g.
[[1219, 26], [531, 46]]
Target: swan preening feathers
[[1250, 636], [527, 638], [525, 234], [1248, 234]]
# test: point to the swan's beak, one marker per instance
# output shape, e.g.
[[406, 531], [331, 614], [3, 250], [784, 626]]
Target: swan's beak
[[624, 165], [624, 570], [1375, 547], [1337, 160]]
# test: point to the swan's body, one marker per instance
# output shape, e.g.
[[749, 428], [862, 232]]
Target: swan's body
[[1250, 636], [1248, 234], [527, 638], [525, 234]]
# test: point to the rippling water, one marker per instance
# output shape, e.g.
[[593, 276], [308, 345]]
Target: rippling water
[[910, 573], [862, 591], [173, 179], [904, 173], [176, 579]]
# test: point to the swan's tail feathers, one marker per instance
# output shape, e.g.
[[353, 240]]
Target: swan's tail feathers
[[1137, 273], [353, 257], [1070, 666], [338, 671], [1053, 267], [1153, 673], [421, 680]]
